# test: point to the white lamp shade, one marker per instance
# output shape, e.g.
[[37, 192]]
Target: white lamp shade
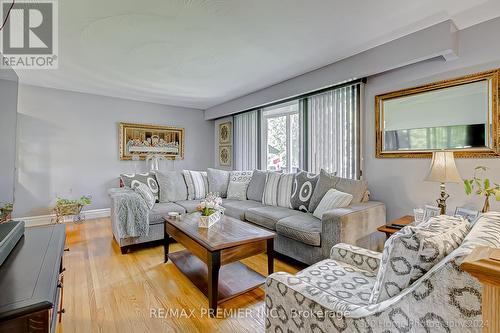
[[443, 168]]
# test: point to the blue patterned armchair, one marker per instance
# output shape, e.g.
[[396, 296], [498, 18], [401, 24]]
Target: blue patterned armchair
[[357, 290]]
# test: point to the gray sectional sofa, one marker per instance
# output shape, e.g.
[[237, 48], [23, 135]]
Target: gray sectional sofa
[[300, 235]]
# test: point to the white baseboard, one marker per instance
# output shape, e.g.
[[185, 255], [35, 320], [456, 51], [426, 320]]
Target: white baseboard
[[30, 221]]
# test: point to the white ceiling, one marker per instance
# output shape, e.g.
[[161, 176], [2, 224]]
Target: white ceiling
[[200, 53]]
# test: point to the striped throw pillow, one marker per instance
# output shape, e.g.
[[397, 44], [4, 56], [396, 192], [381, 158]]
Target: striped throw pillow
[[270, 196], [332, 199], [197, 184], [145, 192], [285, 190]]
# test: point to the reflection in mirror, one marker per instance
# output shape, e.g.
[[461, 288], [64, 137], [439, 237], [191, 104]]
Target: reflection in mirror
[[454, 115]]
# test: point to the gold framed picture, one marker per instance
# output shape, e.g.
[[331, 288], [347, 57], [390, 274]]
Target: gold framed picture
[[142, 140], [225, 133], [225, 155]]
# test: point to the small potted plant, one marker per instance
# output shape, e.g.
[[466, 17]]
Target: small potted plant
[[483, 187], [5, 211], [67, 207], [210, 209]]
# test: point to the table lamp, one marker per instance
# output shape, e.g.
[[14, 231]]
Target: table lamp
[[443, 170]]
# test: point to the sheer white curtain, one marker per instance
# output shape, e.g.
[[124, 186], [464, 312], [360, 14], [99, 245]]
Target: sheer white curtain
[[334, 131], [246, 140]]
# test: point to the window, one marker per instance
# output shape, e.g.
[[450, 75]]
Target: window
[[319, 130], [281, 137]]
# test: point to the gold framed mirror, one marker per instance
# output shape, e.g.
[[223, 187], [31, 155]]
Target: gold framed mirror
[[459, 114]]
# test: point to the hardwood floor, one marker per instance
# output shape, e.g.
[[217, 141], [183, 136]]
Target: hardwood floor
[[105, 291]]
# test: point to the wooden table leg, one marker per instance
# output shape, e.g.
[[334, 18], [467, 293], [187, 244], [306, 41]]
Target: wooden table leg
[[270, 256], [166, 243], [213, 266]]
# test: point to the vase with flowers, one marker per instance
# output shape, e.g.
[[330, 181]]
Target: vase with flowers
[[211, 210], [483, 187]]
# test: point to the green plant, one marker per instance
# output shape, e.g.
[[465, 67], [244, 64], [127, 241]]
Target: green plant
[[84, 201], [482, 187]]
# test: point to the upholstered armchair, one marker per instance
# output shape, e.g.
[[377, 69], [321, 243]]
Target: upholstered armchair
[[343, 293]]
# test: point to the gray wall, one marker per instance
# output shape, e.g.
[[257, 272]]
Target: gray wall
[[68, 145], [399, 182], [8, 117]]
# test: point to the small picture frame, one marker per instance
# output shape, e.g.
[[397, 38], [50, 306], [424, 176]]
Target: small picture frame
[[419, 215], [431, 211], [469, 214]]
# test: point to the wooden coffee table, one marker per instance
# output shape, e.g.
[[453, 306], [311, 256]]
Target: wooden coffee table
[[211, 258]]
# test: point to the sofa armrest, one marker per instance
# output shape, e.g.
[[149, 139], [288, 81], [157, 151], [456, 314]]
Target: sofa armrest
[[352, 225], [356, 256]]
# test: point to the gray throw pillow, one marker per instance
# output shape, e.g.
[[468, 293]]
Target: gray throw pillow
[[218, 181], [326, 182], [132, 180], [256, 186], [355, 187], [172, 186], [302, 190]]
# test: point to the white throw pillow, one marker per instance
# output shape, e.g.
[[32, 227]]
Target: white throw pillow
[[237, 190], [270, 196], [197, 184], [145, 192], [332, 199]]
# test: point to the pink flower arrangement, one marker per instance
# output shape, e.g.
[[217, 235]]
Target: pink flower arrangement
[[210, 204]]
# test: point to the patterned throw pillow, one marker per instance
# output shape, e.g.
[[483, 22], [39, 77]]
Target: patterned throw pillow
[[144, 191], [332, 199], [134, 179], [413, 251], [270, 196], [241, 176], [237, 190], [197, 184], [302, 190], [285, 190]]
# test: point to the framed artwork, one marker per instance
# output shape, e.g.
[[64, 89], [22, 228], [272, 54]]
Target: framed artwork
[[225, 155], [431, 211], [225, 133], [140, 140], [469, 214]]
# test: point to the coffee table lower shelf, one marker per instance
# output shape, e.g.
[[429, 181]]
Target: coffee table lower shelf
[[234, 278]]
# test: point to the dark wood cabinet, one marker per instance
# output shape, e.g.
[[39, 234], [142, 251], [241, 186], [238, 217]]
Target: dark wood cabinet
[[31, 281]]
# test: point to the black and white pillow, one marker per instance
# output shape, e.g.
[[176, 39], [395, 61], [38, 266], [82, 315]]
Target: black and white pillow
[[134, 179], [302, 190], [413, 251]]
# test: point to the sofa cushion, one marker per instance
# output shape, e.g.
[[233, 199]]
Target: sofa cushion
[[237, 190], [172, 186], [161, 209], [189, 205], [241, 176], [326, 181], [302, 190], [218, 181], [413, 251], [256, 186], [270, 196], [148, 178], [237, 208], [267, 216], [331, 200], [197, 184], [285, 190], [304, 228], [343, 281], [357, 188]]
